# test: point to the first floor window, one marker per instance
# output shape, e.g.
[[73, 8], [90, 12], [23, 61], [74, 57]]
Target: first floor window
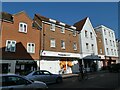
[[101, 51], [86, 45], [74, 46], [92, 46], [10, 45], [62, 44], [52, 42], [107, 51], [30, 47]]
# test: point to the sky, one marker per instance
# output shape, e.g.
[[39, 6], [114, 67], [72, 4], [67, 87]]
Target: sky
[[100, 13]]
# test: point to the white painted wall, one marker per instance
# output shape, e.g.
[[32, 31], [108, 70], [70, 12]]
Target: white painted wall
[[101, 29], [88, 27]]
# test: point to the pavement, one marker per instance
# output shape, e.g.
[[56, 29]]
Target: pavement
[[64, 76]]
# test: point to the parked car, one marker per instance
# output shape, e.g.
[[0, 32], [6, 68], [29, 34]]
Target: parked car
[[45, 76], [114, 67], [15, 82]]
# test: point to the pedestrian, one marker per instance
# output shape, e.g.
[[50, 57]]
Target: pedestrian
[[81, 70]]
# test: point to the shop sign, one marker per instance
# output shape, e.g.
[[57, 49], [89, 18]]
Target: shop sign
[[64, 54]]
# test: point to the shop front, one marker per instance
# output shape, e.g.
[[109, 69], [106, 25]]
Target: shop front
[[59, 62]]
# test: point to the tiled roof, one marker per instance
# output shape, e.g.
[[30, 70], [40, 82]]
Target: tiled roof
[[79, 25], [6, 16], [42, 18]]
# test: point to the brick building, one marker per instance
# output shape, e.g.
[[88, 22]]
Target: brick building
[[20, 43], [59, 46]]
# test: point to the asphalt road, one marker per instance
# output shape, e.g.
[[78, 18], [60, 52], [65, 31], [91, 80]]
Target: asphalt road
[[99, 80]]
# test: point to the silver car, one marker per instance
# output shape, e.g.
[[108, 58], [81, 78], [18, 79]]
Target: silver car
[[44, 76], [16, 82]]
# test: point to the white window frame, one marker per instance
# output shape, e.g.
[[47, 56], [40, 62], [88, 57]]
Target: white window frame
[[52, 27], [86, 34], [52, 43], [87, 46], [91, 35], [104, 31], [10, 46], [75, 46], [62, 29], [100, 50], [92, 46], [74, 33], [107, 51], [62, 44], [110, 42], [21, 29], [31, 49], [106, 41]]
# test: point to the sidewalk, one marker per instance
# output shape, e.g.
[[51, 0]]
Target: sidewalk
[[64, 76]]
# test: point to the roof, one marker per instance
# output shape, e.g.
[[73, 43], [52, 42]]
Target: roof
[[6, 16], [43, 18], [79, 25]]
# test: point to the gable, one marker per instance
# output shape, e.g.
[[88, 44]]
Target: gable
[[22, 13], [88, 26]]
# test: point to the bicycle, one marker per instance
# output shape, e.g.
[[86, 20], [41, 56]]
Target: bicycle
[[83, 76]]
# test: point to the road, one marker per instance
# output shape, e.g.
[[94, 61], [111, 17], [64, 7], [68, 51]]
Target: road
[[99, 80]]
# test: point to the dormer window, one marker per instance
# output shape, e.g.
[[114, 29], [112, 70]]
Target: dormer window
[[22, 27], [52, 27], [74, 33], [62, 29]]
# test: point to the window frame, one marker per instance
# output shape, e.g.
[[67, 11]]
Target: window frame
[[23, 24], [11, 41], [32, 49], [62, 29], [52, 27], [74, 46], [62, 44], [52, 43]]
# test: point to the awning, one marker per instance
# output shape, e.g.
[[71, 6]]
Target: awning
[[95, 57]]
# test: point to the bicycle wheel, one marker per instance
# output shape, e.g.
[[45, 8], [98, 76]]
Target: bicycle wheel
[[85, 76], [79, 77]]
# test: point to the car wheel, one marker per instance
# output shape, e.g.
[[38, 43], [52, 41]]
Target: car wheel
[[58, 80]]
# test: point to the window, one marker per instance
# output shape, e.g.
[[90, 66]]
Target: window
[[22, 27], [100, 50], [62, 29], [30, 47], [110, 42], [74, 33], [113, 43], [10, 45], [86, 45], [107, 51], [115, 52], [52, 27], [104, 31], [106, 41], [91, 35], [112, 34], [86, 34], [109, 34], [62, 44], [92, 45], [74, 46], [52, 42], [112, 51], [14, 80]]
